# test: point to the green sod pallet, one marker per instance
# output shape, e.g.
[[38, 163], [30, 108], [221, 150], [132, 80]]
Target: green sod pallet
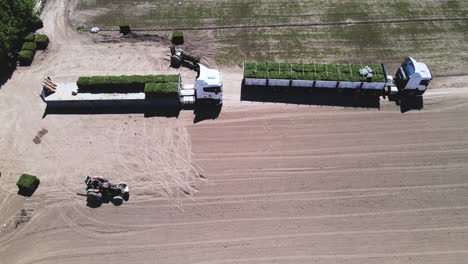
[[129, 83], [162, 89], [27, 184], [312, 71]]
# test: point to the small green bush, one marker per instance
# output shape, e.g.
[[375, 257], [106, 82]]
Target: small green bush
[[25, 57], [29, 46], [31, 37], [162, 89], [42, 41], [27, 184], [177, 37]]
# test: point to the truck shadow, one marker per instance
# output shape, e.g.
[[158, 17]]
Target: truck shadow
[[322, 98], [411, 103], [104, 200], [201, 112], [94, 110], [206, 112]]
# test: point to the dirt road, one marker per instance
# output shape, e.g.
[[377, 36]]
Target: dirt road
[[279, 183]]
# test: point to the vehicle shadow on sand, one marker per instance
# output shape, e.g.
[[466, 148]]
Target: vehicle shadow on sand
[[105, 200], [148, 112], [331, 98], [201, 112], [411, 103]]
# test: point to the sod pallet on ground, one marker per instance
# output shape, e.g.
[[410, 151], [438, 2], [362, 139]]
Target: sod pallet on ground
[[25, 57], [29, 46], [27, 184], [177, 37], [42, 41], [31, 37]]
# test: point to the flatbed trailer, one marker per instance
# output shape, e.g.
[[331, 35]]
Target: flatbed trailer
[[359, 80], [207, 89]]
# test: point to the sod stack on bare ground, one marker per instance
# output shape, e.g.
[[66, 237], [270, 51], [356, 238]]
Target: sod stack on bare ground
[[27, 184]]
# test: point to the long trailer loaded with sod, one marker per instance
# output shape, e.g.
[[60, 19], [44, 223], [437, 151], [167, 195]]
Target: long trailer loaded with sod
[[148, 91], [299, 79]]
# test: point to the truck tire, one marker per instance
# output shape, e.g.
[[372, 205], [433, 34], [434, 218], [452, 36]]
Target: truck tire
[[117, 200], [94, 199], [126, 196], [94, 195], [176, 61]]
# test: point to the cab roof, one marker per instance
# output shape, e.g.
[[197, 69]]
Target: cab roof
[[211, 77], [412, 66]]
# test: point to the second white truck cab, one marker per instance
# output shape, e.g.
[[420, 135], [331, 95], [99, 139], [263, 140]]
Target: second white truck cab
[[413, 77]]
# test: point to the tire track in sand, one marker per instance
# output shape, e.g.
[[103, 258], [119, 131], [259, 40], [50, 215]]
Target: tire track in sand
[[99, 250]]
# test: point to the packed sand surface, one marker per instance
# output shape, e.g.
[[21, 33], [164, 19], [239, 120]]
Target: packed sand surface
[[263, 183]]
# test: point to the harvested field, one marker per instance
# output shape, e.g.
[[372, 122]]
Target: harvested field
[[264, 183], [321, 31]]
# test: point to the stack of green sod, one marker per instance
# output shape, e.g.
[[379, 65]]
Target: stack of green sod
[[177, 37], [26, 55], [311, 71], [27, 184], [42, 41], [31, 37], [121, 84], [170, 89], [32, 43]]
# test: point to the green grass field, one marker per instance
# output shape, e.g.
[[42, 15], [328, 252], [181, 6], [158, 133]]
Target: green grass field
[[440, 43]]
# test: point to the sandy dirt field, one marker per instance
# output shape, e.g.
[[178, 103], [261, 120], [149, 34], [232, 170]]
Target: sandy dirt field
[[264, 183]]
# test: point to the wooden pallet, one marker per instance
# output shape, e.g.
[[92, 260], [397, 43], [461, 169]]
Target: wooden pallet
[[49, 85]]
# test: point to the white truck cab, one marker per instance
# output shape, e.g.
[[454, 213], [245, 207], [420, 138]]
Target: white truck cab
[[413, 77], [209, 86]]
